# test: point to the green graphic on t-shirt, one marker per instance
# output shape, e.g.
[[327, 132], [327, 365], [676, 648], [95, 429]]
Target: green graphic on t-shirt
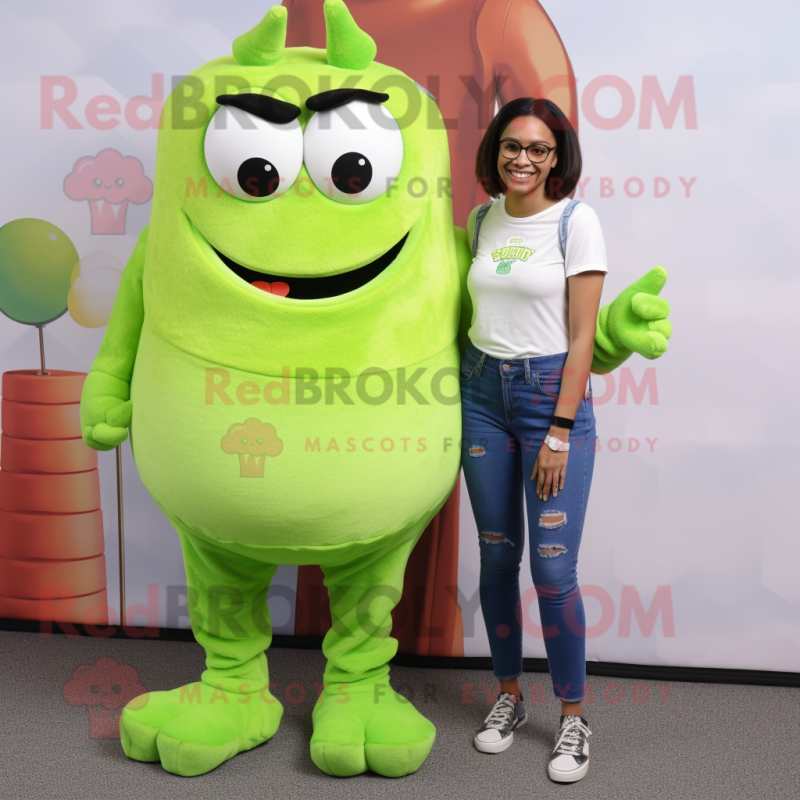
[[514, 250]]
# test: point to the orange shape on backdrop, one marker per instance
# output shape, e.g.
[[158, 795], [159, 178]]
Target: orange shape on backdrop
[[27, 386], [59, 456], [90, 609], [52, 566], [36, 579], [51, 536], [41, 420], [53, 494]]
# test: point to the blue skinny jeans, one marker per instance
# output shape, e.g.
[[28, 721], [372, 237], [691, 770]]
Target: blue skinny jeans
[[506, 409]]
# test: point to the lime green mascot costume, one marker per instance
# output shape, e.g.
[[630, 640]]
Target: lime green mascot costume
[[284, 349]]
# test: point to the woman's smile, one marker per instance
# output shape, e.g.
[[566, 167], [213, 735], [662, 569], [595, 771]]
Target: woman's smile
[[522, 175]]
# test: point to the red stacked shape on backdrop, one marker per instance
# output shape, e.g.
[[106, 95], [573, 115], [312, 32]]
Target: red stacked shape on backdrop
[[52, 565]]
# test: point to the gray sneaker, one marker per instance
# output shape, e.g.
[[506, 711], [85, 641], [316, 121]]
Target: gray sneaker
[[569, 760], [497, 732]]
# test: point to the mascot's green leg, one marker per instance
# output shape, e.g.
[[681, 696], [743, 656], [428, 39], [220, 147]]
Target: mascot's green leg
[[360, 722], [195, 728]]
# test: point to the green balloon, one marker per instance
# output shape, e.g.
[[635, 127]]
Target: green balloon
[[36, 262]]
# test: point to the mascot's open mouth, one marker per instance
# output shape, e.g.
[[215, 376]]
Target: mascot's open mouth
[[303, 288]]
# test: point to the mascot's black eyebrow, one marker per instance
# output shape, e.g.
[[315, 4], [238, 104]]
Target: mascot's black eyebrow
[[262, 106], [333, 98]]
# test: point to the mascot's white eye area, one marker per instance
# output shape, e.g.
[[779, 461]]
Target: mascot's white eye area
[[254, 146], [352, 147]]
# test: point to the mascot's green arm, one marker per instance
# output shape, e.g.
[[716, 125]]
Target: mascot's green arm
[[464, 260], [105, 401], [634, 322]]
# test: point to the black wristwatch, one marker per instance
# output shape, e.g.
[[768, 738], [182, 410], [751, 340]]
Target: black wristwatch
[[562, 422]]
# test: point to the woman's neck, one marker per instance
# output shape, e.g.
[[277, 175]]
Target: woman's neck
[[526, 205]]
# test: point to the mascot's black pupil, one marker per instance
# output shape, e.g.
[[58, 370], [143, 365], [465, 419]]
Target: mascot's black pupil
[[258, 177], [351, 173]]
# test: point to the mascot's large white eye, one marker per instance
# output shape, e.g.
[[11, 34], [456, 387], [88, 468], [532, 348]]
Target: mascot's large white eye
[[250, 157], [354, 152]]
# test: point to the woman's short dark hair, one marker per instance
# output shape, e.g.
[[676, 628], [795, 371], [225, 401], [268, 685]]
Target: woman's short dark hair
[[563, 178]]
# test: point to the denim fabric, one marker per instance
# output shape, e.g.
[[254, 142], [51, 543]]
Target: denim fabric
[[506, 410]]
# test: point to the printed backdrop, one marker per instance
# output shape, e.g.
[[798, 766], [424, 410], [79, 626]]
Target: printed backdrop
[[687, 117]]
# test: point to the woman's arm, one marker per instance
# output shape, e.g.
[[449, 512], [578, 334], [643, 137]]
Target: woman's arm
[[585, 289]]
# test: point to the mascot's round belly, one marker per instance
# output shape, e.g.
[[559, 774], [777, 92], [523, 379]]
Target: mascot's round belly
[[273, 461]]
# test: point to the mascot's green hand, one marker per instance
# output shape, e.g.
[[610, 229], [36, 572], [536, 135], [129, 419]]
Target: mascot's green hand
[[637, 318], [105, 411], [634, 322]]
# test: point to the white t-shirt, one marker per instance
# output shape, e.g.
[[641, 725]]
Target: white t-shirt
[[518, 280]]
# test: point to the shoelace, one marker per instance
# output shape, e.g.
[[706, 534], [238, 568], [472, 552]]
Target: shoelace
[[502, 711], [571, 736]]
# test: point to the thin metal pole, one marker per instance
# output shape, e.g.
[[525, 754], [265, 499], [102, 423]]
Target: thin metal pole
[[121, 529], [41, 349]]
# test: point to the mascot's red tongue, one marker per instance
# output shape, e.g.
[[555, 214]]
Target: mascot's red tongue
[[276, 287]]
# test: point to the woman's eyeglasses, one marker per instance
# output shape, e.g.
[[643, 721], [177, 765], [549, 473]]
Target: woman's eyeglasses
[[511, 148]]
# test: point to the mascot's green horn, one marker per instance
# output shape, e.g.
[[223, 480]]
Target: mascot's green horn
[[264, 44], [346, 44]]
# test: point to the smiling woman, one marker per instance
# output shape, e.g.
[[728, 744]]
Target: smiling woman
[[551, 164], [535, 283]]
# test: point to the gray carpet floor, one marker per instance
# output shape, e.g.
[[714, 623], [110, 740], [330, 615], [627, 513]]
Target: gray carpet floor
[[705, 741]]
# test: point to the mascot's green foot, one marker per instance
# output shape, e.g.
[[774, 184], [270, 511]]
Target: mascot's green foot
[[193, 729], [368, 727]]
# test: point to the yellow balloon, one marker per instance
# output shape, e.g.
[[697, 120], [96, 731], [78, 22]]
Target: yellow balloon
[[91, 298]]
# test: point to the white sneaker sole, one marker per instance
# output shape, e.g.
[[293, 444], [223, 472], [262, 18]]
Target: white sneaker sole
[[503, 744], [567, 777]]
